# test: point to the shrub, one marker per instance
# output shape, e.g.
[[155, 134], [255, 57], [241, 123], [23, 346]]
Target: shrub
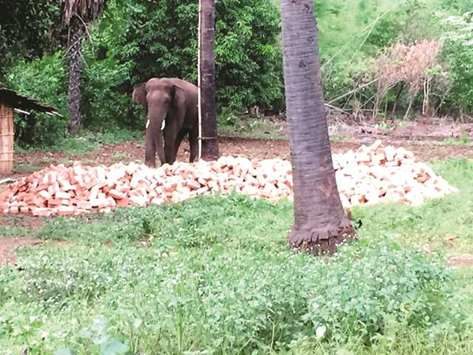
[[53, 281], [105, 106], [460, 6], [28, 30], [45, 80], [357, 298], [354, 33], [218, 301], [231, 285], [138, 39], [458, 54]]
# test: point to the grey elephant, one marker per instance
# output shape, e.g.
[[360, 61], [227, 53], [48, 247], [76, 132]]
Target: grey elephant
[[172, 113]]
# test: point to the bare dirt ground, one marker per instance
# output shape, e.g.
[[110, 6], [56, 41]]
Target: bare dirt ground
[[461, 261], [252, 148], [9, 245]]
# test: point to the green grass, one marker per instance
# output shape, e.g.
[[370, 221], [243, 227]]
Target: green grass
[[215, 275], [88, 141], [250, 127], [463, 140]]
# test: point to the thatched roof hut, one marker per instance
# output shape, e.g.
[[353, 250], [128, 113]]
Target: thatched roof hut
[[10, 101]]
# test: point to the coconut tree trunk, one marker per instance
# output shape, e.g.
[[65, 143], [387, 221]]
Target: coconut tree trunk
[[207, 81], [320, 222], [75, 68]]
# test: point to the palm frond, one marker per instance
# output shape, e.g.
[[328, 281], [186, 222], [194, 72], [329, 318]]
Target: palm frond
[[87, 10]]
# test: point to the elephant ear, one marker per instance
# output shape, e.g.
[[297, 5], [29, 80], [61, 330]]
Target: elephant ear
[[139, 94]]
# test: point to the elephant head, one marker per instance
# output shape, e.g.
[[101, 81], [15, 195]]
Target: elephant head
[[139, 94], [158, 98]]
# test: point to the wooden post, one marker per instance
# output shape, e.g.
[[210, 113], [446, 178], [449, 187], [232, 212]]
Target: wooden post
[[6, 139], [199, 53], [207, 88]]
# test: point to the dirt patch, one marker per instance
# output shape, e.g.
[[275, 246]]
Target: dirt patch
[[251, 148], [9, 245], [34, 223], [435, 151], [461, 261], [426, 130]]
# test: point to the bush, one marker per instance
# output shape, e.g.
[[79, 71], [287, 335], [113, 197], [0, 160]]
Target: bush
[[137, 40], [105, 106], [29, 29], [218, 301], [458, 54], [45, 80], [460, 6], [357, 298], [354, 33]]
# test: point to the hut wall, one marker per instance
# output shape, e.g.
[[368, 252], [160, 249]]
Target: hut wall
[[6, 139]]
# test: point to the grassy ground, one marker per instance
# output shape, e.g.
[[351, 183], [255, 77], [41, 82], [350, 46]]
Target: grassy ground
[[214, 275], [251, 127], [88, 141], [73, 148]]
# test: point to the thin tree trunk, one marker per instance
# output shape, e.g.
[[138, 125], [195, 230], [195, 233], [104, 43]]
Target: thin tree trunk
[[320, 222], [207, 81], [75, 68], [411, 102], [396, 100]]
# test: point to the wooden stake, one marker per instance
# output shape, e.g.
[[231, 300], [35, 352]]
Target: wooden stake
[[199, 76]]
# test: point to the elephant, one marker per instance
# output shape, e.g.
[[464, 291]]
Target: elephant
[[171, 106]]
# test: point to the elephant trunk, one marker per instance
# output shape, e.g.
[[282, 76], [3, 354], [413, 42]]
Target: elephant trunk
[[154, 138]]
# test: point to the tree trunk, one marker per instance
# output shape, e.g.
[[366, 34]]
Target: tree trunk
[[207, 81], [320, 222], [75, 67]]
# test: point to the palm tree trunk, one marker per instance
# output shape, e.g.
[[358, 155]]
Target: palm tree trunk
[[75, 68], [207, 81], [320, 222]]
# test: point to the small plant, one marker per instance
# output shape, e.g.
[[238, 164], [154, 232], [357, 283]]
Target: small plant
[[97, 333]]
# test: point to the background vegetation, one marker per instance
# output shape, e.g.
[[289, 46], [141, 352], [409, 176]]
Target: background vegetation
[[138, 39]]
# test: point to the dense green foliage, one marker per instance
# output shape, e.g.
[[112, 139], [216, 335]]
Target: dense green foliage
[[459, 55], [138, 39], [353, 33], [28, 29], [45, 80], [133, 279]]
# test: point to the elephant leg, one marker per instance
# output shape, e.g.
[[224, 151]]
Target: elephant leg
[[194, 143], [180, 136], [170, 140], [172, 131]]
